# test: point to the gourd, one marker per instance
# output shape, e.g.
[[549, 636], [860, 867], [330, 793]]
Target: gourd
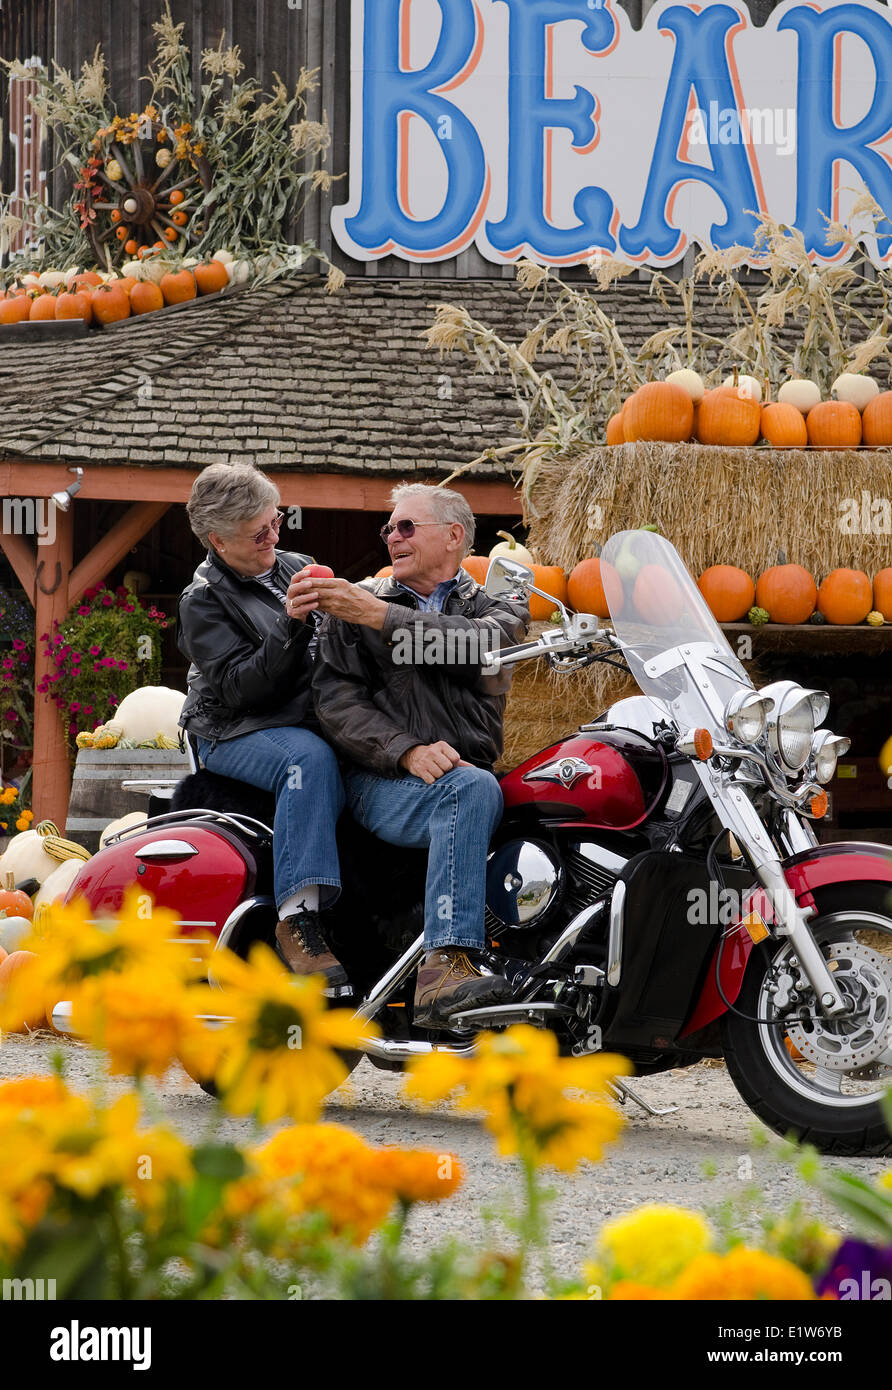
[[689, 381], [788, 593], [659, 411], [54, 888], [784, 426], [845, 596], [758, 616], [26, 857], [510, 547], [13, 930], [729, 592], [144, 713], [855, 388], [800, 393], [834, 425], [585, 588], [875, 619]]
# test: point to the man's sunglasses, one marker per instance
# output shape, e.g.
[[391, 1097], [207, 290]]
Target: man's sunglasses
[[406, 528], [273, 526]]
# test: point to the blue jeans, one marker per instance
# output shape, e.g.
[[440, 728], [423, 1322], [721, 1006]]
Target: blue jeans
[[455, 817], [302, 771]]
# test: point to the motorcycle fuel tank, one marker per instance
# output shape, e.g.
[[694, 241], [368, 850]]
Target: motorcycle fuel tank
[[198, 872], [613, 780]]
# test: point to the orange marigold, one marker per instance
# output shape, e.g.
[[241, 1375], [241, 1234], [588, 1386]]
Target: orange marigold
[[742, 1274]]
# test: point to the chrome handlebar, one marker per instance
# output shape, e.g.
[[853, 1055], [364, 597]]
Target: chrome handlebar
[[577, 632]]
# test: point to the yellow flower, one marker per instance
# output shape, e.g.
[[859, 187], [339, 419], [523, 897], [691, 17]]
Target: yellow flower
[[520, 1082], [742, 1275], [651, 1245], [21, 823], [885, 1179], [277, 1056], [143, 1017], [416, 1175], [28, 816]]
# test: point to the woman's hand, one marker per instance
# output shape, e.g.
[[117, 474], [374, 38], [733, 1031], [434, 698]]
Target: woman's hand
[[338, 597]]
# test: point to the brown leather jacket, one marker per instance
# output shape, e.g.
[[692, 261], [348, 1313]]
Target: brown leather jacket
[[419, 679]]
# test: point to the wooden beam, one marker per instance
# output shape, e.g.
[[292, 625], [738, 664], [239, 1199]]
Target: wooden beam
[[362, 492], [113, 546], [21, 556], [52, 777]]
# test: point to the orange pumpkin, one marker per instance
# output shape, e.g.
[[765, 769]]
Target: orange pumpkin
[[876, 420], [177, 196], [74, 305], [656, 596], [3, 954], [145, 297], [9, 969], [87, 280], [845, 597], [125, 282], [725, 416], [43, 308], [834, 425], [788, 593], [784, 427], [111, 303], [211, 277], [585, 588], [385, 573], [179, 217], [123, 233], [882, 593], [615, 429], [131, 247], [178, 286], [476, 566], [171, 233], [658, 410], [15, 901], [15, 309], [552, 580], [729, 592]]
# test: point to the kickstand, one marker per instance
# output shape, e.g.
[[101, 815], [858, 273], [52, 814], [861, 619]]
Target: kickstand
[[623, 1092]]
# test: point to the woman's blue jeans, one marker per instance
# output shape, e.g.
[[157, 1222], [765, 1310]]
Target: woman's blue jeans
[[302, 770], [455, 816]]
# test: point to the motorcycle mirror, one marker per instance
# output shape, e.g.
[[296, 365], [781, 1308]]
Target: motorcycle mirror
[[508, 579]]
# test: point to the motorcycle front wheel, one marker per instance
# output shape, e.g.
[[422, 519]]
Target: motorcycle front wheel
[[815, 1079]]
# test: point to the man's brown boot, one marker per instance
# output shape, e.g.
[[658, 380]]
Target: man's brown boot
[[304, 949], [448, 982]]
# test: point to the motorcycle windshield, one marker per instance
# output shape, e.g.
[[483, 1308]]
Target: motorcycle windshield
[[667, 630]]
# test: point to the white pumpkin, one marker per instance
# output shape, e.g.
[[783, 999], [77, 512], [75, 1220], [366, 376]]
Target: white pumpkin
[[746, 385], [224, 257], [13, 931], [801, 393], [51, 279], [510, 548], [122, 823], [25, 857], [134, 268], [155, 269], [150, 711], [859, 390], [54, 888], [70, 274], [691, 383], [31, 280], [239, 272]]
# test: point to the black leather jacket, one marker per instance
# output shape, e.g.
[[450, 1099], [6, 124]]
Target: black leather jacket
[[250, 665], [375, 700]]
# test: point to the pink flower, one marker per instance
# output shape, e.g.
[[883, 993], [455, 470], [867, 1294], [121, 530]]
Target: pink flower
[[12, 716], [94, 651], [123, 665], [75, 707], [96, 666], [112, 699], [107, 600], [72, 729], [88, 709], [8, 663], [17, 644], [129, 608], [83, 610], [90, 593]]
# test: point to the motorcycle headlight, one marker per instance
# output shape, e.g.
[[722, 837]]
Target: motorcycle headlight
[[827, 749], [746, 714], [792, 721]]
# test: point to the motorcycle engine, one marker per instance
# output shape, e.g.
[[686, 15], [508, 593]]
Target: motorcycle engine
[[526, 879]]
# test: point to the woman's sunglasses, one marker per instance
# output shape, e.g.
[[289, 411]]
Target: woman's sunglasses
[[406, 528], [275, 524]]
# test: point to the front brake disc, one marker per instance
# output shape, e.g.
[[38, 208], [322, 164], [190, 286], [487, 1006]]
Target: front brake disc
[[858, 1038]]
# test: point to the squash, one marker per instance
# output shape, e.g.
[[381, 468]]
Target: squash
[[689, 381], [477, 566], [787, 593], [55, 888], [15, 902], [585, 588], [224, 257], [800, 393], [13, 931], [658, 411], [656, 596], [553, 580], [855, 388], [747, 386], [783, 426], [834, 425], [882, 593], [510, 548], [875, 619], [615, 429], [25, 857], [19, 1022], [845, 597], [145, 712], [724, 416], [729, 592], [876, 421]]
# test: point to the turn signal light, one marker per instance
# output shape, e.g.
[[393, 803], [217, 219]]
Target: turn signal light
[[819, 805], [703, 744]]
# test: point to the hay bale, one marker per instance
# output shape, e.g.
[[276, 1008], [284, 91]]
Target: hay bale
[[717, 505]]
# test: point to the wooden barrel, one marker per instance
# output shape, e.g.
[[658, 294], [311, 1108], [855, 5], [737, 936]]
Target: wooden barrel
[[97, 796]]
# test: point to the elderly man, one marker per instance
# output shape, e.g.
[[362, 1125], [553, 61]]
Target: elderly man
[[399, 689]]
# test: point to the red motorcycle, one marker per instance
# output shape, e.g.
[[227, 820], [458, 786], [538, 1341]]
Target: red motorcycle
[[655, 887]]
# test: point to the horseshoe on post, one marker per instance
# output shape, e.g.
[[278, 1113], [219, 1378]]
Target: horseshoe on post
[[38, 582]]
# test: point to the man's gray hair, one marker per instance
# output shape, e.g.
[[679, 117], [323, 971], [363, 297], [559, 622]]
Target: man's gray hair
[[444, 504], [226, 494]]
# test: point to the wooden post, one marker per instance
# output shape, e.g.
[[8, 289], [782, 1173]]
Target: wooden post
[[52, 777]]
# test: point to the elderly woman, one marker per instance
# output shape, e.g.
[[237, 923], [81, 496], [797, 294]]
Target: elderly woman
[[249, 706]]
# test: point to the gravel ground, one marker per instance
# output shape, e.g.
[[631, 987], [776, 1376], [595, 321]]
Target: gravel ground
[[659, 1159]]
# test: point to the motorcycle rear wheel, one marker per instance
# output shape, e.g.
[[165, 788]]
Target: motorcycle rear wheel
[[830, 1096]]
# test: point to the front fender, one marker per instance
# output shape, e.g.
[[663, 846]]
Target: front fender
[[806, 872]]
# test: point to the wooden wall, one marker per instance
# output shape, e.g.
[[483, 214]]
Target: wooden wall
[[273, 37]]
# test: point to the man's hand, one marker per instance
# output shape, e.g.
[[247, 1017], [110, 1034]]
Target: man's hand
[[338, 597], [430, 761]]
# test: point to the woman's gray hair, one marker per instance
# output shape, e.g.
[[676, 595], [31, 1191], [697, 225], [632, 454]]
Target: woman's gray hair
[[443, 503], [226, 494]]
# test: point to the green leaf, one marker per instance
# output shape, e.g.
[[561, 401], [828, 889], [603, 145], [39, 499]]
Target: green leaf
[[887, 1109], [221, 1161]]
